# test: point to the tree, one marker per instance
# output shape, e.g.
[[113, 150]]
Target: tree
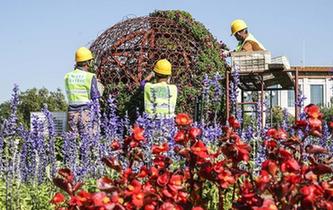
[[33, 100]]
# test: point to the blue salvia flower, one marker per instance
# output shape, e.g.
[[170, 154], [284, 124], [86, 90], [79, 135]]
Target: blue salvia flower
[[234, 85], [300, 103], [248, 134], [51, 145], [69, 150], [285, 119], [325, 136]]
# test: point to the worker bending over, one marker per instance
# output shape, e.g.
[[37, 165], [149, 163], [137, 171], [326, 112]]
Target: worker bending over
[[160, 97]]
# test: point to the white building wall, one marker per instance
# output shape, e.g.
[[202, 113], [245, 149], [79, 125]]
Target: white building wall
[[305, 84]]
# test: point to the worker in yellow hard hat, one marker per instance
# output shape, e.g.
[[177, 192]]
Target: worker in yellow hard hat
[[81, 88], [246, 41], [160, 97]]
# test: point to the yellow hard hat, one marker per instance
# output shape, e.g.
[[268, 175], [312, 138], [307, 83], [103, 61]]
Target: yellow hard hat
[[237, 25], [163, 67], [83, 54]]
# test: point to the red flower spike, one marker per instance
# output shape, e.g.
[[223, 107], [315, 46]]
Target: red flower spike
[[195, 133], [138, 133], [183, 119], [58, 198]]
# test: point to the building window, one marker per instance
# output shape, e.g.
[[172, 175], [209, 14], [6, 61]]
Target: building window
[[317, 94], [291, 96]]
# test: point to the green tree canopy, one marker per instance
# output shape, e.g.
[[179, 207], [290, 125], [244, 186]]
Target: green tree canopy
[[33, 100]]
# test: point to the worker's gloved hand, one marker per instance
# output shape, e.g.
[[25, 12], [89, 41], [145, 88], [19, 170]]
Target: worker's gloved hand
[[226, 53]]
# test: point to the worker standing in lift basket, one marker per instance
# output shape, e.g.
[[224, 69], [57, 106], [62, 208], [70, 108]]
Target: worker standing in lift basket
[[246, 41]]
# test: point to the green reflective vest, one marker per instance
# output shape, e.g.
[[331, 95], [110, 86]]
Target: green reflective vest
[[250, 37], [160, 99], [78, 86]]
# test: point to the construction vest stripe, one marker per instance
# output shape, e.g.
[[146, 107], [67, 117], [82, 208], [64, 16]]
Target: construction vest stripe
[[78, 86], [250, 37]]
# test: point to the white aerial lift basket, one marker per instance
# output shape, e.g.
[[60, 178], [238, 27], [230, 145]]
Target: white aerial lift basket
[[255, 61]]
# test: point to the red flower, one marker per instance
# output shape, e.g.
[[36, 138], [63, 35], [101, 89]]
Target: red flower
[[143, 172], [270, 166], [312, 111], [180, 137], [233, 122], [267, 205], [138, 133], [58, 198], [183, 119], [80, 199], [156, 149], [133, 188], [195, 132], [67, 174], [197, 208], [115, 145], [137, 199], [163, 179], [310, 194], [199, 149], [176, 182], [279, 134], [225, 178], [104, 184], [301, 123], [290, 165], [330, 124], [100, 199], [263, 179]]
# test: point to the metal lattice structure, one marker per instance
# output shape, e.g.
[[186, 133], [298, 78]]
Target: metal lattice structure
[[127, 51]]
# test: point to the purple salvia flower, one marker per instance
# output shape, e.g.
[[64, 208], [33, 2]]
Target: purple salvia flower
[[69, 150], [285, 119], [51, 145], [234, 85]]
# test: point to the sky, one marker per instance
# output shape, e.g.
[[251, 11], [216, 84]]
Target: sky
[[38, 38]]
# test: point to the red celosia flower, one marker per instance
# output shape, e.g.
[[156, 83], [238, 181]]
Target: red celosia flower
[[58, 198], [199, 149], [233, 122], [183, 119], [156, 149], [195, 132], [138, 133]]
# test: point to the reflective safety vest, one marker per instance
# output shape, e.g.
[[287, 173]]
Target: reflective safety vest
[[250, 37], [78, 86], [160, 99]]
